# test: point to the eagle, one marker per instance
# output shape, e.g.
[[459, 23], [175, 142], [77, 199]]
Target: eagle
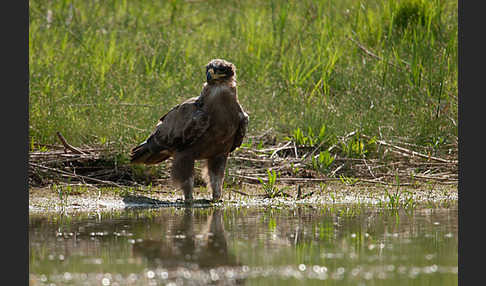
[[207, 128]]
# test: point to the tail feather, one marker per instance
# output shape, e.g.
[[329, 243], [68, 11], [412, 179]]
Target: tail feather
[[140, 153], [143, 154]]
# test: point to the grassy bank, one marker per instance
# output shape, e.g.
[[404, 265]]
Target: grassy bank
[[104, 72]]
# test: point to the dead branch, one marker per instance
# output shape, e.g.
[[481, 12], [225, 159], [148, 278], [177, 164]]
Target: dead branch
[[287, 179], [67, 145], [251, 164], [75, 176], [410, 152], [281, 148], [241, 193], [252, 160]]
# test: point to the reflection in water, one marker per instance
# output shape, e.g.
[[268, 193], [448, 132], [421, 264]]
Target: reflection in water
[[188, 246], [342, 244]]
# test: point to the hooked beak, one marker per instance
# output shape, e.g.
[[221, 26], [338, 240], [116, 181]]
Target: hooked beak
[[210, 75]]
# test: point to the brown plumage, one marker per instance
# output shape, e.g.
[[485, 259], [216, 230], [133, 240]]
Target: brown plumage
[[207, 127]]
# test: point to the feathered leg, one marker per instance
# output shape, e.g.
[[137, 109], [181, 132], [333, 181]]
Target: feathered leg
[[215, 175], [183, 174]]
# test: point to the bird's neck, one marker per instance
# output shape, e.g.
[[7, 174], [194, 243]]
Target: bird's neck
[[211, 91], [229, 82]]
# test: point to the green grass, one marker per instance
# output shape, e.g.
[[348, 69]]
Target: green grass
[[270, 187], [104, 72]]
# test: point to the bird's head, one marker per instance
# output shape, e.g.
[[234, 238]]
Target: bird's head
[[219, 70]]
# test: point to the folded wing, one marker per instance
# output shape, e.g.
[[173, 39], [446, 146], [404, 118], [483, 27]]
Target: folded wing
[[241, 131], [175, 131]]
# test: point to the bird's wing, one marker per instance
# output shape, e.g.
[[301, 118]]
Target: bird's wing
[[181, 126], [241, 131], [177, 129]]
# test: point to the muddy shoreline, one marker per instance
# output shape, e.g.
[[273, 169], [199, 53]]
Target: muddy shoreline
[[88, 198]]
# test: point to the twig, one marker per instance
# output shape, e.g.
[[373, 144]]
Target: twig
[[299, 192], [240, 192], [67, 145], [289, 179], [384, 183], [307, 156], [337, 169], [436, 178], [295, 151], [373, 55], [281, 148], [369, 168], [273, 148], [413, 153], [251, 159], [81, 184], [75, 176]]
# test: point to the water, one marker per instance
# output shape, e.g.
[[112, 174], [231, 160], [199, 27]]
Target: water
[[311, 245]]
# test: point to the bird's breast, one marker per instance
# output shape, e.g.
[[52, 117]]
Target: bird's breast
[[217, 90]]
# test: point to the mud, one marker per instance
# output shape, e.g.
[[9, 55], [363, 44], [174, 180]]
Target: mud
[[104, 199]]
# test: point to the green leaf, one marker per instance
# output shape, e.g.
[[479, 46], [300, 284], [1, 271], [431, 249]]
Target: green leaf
[[322, 133]]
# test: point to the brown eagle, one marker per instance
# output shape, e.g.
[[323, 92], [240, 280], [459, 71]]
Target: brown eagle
[[207, 127]]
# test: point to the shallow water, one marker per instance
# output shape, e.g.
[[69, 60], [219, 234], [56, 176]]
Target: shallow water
[[325, 245]]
